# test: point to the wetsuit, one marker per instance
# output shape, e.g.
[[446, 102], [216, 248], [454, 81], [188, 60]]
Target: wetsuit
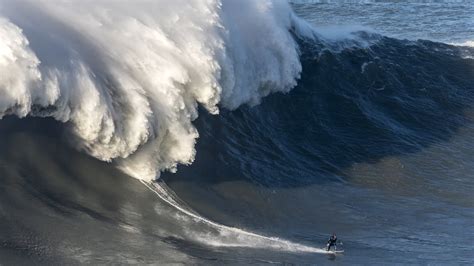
[[332, 242]]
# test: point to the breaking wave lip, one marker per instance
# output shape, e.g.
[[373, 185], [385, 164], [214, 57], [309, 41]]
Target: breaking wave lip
[[128, 79]]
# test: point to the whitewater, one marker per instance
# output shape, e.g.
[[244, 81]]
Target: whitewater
[[128, 78]]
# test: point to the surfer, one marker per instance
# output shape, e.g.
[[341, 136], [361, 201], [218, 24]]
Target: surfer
[[332, 242]]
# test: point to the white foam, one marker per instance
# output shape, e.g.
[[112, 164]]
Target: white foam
[[341, 32], [128, 76], [465, 43]]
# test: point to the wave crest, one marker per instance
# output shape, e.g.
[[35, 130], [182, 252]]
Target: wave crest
[[128, 77]]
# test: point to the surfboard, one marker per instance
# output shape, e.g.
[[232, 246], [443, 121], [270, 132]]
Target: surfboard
[[335, 252]]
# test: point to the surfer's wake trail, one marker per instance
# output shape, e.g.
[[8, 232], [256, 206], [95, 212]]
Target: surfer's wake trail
[[230, 236]]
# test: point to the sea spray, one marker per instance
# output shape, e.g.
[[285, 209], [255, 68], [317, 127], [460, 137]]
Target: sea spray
[[128, 77]]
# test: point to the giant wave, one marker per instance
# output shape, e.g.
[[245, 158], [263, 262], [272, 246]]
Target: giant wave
[[369, 120], [127, 78]]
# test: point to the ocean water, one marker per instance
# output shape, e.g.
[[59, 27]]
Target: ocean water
[[236, 132], [443, 21]]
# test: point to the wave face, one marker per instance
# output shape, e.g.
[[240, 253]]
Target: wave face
[[128, 78], [353, 106]]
